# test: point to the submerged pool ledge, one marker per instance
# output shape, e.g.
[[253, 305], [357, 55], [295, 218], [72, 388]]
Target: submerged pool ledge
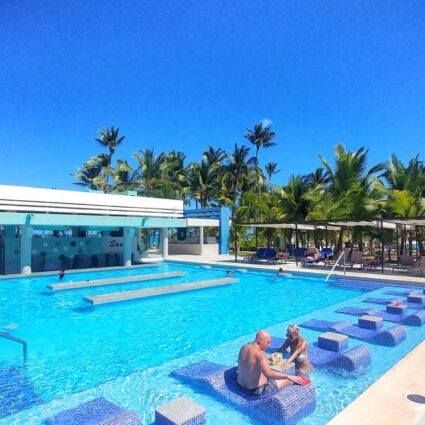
[[113, 281], [385, 402], [162, 290]]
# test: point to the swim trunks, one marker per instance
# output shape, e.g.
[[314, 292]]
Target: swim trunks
[[269, 387]]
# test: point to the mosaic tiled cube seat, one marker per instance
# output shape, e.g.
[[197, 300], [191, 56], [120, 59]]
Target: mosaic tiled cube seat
[[396, 308], [286, 407], [391, 336], [181, 411], [416, 298], [370, 322], [95, 412], [354, 359], [333, 341], [414, 319]]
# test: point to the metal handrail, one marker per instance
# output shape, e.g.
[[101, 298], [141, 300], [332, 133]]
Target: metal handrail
[[20, 341], [336, 263]]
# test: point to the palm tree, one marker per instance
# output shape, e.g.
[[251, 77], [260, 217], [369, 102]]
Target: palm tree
[[91, 173], [271, 169], [108, 138], [261, 137], [214, 156], [175, 173], [124, 177], [203, 182], [353, 186], [405, 192], [149, 172]]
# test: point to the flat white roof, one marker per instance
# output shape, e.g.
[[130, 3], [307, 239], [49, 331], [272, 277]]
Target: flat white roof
[[33, 199]]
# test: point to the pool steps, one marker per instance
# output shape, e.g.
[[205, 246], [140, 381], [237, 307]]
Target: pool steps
[[161, 290], [359, 285], [113, 281]]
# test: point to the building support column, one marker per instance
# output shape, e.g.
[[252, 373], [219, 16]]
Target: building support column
[[201, 240], [128, 239], [26, 249], [224, 230], [164, 239]]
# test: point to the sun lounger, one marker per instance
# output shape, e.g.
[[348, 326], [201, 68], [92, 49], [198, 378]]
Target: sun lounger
[[98, 411], [349, 360], [414, 319], [386, 301], [356, 259], [287, 406], [419, 267], [388, 337], [406, 263], [261, 252], [400, 293], [309, 261]]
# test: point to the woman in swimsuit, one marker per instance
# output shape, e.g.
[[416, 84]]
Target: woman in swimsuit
[[298, 350]]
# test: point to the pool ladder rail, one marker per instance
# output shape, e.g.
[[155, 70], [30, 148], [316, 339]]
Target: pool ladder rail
[[18, 340], [342, 256]]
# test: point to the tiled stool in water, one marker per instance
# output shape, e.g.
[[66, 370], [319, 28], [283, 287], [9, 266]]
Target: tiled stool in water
[[396, 308], [416, 298], [332, 341], [370, 322], [98, 411], [181, 411]]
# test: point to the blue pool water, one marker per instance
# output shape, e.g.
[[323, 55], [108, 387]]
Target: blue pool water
[[127, 350]]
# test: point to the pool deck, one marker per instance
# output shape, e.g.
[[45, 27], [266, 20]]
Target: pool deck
[[385, 402], [153, 292], [229, 261], [113, 281]]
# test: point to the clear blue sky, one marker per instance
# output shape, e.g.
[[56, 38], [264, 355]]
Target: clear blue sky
[[188, 74]]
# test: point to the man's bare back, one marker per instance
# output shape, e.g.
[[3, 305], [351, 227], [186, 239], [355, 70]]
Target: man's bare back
[[250, 375], [254, 372]]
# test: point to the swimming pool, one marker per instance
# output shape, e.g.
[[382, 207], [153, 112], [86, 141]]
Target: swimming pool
[[127, 350]]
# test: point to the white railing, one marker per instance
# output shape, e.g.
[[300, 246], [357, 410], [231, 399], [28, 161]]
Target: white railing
[[18, 340], [336, 263]]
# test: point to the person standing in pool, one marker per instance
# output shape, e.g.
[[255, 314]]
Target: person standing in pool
[[255, 375], [298, 350], [61, 274]]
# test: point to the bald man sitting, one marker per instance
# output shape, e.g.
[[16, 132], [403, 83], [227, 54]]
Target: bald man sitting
[[254, 372]]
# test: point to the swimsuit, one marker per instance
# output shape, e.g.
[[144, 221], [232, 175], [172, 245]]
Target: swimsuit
[[269, 387]]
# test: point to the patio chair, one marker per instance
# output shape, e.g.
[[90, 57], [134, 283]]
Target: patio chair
[[258, 256], [270, 255], [419, 267], [406, 263], [356, 259], [282, 257]]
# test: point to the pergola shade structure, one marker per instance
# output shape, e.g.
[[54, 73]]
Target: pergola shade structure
[[409, 224]]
